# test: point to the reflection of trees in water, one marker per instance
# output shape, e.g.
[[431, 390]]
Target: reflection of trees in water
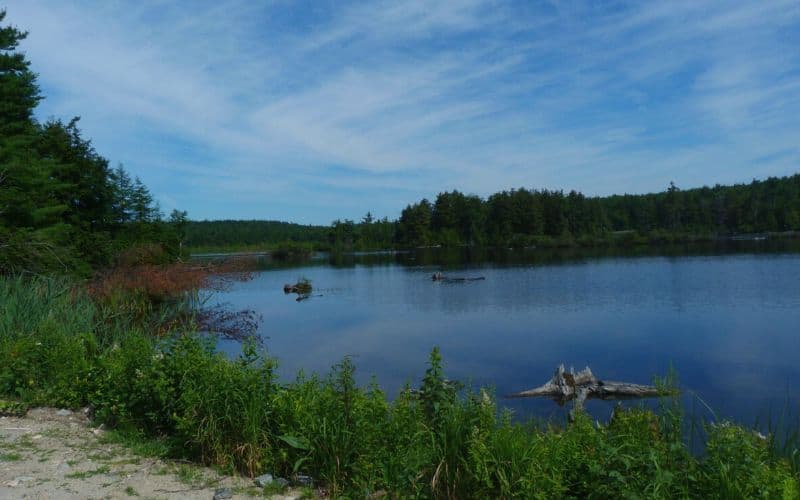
[[455, 257], [221, 320]]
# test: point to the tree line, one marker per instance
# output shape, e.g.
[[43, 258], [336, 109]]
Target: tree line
[[62, 207], [521, 217], [252, 233], [530, 217]]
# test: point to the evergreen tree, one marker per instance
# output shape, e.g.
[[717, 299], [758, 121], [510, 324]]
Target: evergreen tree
[[61, 208]]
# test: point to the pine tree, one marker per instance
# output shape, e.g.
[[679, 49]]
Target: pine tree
[[19, 172]]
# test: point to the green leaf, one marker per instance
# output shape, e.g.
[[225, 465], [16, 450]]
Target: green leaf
[[298, 463], [299, 443]]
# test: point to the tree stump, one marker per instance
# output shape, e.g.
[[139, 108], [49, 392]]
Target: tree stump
[[578, 387]]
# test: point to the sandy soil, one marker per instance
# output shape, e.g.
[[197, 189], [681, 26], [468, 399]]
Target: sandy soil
[[51, 455]]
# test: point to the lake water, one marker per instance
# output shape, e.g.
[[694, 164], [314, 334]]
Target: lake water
[[728, 322]]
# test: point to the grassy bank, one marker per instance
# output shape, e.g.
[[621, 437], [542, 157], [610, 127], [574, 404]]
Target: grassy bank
[[61, 346]]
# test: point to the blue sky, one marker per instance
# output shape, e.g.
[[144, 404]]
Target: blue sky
[[312, 111]]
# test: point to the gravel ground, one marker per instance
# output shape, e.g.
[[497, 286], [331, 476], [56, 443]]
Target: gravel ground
[[53, 454]]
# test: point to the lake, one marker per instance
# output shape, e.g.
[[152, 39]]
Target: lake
[[727, 319]]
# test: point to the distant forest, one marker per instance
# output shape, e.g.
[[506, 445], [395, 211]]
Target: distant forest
[[255, 234], [525, 217]]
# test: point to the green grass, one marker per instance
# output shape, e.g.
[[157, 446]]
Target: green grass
[[10, 457], [137, 443], [175, 396], [103, 469], [191, 475]]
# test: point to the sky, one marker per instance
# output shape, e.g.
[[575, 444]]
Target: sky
[[310, 111]]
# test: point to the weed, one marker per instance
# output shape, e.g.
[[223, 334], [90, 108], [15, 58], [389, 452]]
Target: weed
[[10, 457], [103, 469], [192, 475]]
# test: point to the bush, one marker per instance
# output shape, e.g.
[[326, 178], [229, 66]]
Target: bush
[[738, 464]]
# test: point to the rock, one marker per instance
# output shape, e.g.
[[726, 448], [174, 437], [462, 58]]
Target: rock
[[223, 493], [36, 436], [264, 480], [19, 480], [268, 479], [304, 480], [64, 413]]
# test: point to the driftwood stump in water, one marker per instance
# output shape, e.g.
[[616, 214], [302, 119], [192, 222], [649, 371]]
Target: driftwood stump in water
[[578, 387]]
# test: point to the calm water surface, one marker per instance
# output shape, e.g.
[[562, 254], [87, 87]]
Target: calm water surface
[[728, 323]]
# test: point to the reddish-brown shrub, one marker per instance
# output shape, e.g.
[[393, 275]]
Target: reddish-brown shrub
[[164, 282]]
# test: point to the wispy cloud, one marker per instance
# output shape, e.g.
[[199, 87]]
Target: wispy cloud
[[312, 111]]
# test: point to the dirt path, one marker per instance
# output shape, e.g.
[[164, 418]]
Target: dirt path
[[52, 454]]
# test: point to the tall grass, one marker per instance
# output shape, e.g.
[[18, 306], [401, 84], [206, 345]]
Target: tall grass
[[59, 346]]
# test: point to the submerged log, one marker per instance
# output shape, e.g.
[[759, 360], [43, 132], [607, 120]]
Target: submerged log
[[439, 276], [578, 387], [302, 297]]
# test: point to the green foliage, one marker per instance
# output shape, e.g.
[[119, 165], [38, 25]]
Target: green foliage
[[224, 409], [738, 465], [225, 235], [61, 208], [523, 217], [13, 409]]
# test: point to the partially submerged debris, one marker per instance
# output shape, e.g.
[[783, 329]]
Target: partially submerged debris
[[439, 276], [307, 296], [578, 387], [302, 287]]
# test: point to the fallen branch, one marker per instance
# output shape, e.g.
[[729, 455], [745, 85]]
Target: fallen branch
[[439, 276], [301, 298], [578, 387]]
